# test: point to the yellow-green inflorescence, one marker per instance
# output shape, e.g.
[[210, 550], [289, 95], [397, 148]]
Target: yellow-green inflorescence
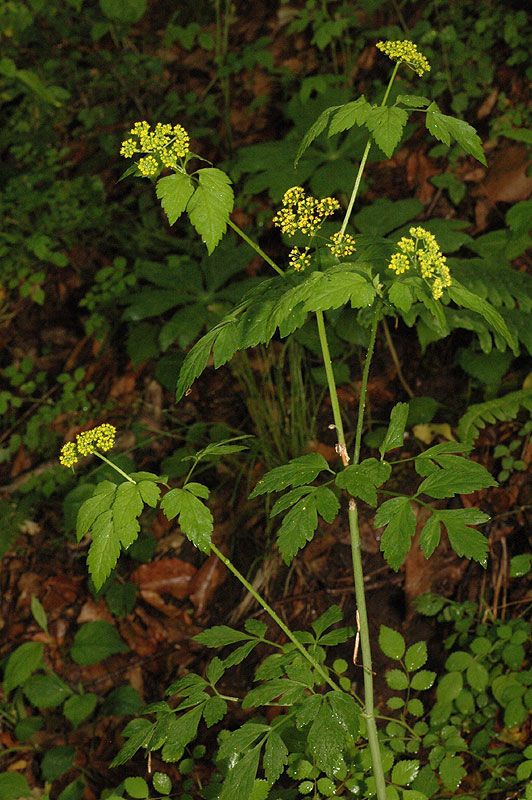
[[422, 252], [306, 214], [406, 51], [100, 438], [162, 146]]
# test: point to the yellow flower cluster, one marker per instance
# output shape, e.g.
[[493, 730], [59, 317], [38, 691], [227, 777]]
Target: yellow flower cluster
[[299, 259], [341, 246], [422, 251], [102, 438], [406, 51], [305, 214], [164, 146]]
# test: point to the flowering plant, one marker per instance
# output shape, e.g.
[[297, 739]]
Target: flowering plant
[[318, 702]]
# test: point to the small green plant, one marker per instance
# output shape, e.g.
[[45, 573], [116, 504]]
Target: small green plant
[[31, 690], [507, 453]]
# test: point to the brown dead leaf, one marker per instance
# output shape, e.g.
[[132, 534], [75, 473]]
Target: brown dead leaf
[[93, 611], [506, 180], [123, 386], [485, 108], [165, 576], [210, 575]]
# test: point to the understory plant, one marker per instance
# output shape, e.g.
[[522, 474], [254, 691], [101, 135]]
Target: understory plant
[[313, 731]]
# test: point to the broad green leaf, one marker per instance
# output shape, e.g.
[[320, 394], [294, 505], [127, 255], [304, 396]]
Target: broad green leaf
[[104, 549], [520, 565], [134, 743], [308, 709], [277, 689], [326, 741], [22, 662], [298, 528], [325, 620], [174, 192], [210, 206], [162, 783], [346, 712], [78, 707], [220, 636], [386, 124], [333, 289], [38, 612], [446, 128], [57, 761], [466, 299], [241, 776], [288, 499], [361, 480], [449, 687], [275, 757], [413, 100], [464, 540], [127, 505], [397, 680], [452, 771], [401, 295], [458, 661], [384, 215], [396, 428], [400, 519], [460, 476], [404, 772], [46, 691], [327, 504], [214, 710], [353, 113], [416, 656], [136, 787], [149, 492], [391, 643], [422, 680], [195, 519], [477, 676], [430, 535], [96, 641], [256, 627], [241, 740], [298, 471], [14, 786], [515, 713], [194, 363], [314, 131], [100, 501]]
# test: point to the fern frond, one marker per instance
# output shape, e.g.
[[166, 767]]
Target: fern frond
[[501, 408]]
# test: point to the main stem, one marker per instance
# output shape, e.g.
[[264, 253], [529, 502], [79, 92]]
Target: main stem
[[358, 574]]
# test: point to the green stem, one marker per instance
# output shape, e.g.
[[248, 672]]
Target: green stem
[[275, 617], [114, 466], [364, 385], [333, 394], [365, 158], [358, 577], [255, 247], [358, 574]]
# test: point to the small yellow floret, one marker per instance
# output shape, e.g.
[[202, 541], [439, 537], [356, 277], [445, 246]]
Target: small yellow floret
[[406, 51], [68, 456], [299, 259], [341, 246]]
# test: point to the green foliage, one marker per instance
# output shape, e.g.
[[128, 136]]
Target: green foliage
[[29, 686], [500, 409]]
